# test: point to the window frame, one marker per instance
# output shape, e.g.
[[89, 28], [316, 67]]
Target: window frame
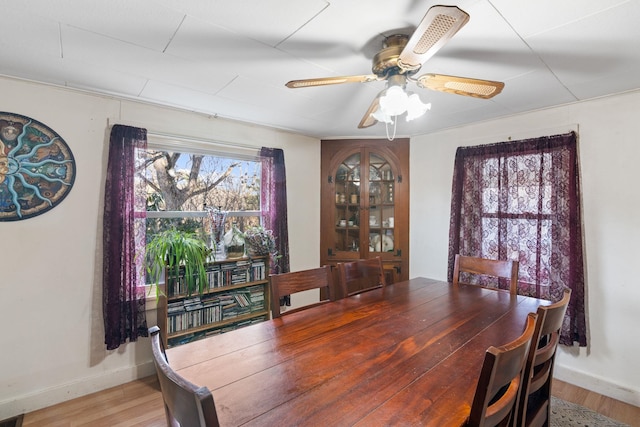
[[191, 146]]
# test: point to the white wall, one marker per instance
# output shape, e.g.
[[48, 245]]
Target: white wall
[[609, 146], [50, 306]]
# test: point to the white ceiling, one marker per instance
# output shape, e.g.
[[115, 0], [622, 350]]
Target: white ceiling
[[232, 58]]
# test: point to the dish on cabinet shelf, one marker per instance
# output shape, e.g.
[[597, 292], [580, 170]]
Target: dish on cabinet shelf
[[381, 243]]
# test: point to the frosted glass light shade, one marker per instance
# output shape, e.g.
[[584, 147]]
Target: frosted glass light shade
[[415, 107], [394, 101], [382, 117]]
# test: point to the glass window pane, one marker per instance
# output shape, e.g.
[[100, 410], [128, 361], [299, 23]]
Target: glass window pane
[[189, 182], [180, 187]]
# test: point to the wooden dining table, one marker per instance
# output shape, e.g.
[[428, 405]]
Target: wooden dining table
[[407, 354]]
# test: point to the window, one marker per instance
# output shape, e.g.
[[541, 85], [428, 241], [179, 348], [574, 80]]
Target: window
[[524, 209], [182, 184], [130, 191], [520, 200]]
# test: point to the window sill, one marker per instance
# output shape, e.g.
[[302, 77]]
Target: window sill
[[151, 300]]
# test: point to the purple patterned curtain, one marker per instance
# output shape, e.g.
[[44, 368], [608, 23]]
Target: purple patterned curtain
[[123, 296], [521, 200], [274, 207]]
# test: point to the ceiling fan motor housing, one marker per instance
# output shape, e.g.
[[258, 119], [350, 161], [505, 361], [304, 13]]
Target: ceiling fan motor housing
[[385, 62]]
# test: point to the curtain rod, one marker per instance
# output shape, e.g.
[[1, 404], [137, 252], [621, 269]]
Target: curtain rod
[[164, 135], [526, 134], [161, 135]]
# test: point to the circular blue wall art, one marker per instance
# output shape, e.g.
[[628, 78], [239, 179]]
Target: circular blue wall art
[[37, 168]]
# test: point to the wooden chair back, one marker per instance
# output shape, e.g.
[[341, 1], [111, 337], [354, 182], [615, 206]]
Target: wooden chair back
[[361, 276], [535, 398], [298, 281], [507, 269], [495, 401], [185, 404]]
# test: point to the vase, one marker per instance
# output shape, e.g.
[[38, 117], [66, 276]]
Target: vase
[[234, 242]]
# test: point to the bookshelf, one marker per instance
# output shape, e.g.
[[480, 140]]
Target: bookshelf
[[237, 296]]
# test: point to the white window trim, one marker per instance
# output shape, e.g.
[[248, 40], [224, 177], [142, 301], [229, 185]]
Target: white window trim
[[197, 214], [183, 144]]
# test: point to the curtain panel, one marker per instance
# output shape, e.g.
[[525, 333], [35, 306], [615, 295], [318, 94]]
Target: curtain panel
[[123, 232], [274, 207], [521, 200]]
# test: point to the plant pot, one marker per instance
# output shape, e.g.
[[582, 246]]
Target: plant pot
[[254, 252], [235, 251]]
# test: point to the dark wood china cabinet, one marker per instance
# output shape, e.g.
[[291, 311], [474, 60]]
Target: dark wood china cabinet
[[365, 203]]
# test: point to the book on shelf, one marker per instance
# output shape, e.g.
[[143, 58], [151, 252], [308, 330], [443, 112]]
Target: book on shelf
[[220, 274]]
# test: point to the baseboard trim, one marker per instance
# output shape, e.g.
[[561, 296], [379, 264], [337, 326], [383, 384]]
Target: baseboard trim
[[63, 392], [597, 384]]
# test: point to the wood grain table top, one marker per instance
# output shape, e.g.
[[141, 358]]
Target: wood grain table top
[[409, 354]]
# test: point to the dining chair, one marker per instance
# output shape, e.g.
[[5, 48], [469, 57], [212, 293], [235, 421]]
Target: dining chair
[[361, 276], [507, 269], [185, 404], [534, 407], [496, 397], [298, 281]]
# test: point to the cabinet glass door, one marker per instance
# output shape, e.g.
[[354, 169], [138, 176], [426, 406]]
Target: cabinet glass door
[[381, 219], [347, 204]]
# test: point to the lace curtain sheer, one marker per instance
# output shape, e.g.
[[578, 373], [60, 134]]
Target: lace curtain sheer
[[124, 231], [521, 200], [274, 207]]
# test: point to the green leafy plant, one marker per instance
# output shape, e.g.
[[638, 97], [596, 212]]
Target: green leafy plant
[[178, 250]]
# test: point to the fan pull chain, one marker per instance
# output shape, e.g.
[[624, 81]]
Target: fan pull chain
[[386, 125]]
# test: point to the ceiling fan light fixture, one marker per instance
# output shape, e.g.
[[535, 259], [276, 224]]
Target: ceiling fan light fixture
[[382, 117], [394, 101], [415, 107]]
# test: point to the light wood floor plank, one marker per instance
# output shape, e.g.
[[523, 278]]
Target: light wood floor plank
[[604, 405], [138, 403]]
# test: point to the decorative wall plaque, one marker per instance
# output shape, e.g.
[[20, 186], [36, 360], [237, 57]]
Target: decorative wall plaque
[[37, 168]]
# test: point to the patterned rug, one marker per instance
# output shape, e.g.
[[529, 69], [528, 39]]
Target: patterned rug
[[569, 414]]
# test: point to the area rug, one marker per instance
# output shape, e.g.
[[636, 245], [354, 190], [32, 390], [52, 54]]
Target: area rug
[[569, 414]]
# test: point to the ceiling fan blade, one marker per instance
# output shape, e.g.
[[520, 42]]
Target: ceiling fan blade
[[484, 89], [438, 26], [368, 119], [332, 81]]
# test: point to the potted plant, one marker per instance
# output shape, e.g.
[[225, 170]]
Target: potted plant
[[178, 250], [260, 241]]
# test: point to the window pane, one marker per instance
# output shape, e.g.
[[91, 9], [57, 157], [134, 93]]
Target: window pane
[[181, 187], [526, 176], [189, 182]]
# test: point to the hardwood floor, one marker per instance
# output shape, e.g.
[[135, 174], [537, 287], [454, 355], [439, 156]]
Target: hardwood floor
[[606, 406], [139, 403]]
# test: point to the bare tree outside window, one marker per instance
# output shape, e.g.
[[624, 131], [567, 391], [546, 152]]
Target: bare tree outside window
[[181, 186]]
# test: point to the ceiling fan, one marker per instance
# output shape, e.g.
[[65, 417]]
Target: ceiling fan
[[402, 57]]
